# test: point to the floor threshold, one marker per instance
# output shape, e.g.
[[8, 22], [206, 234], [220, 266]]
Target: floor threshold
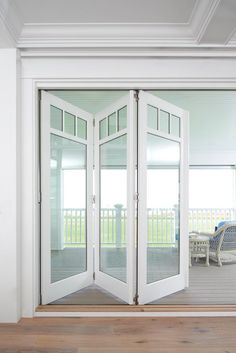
[[136, 308]]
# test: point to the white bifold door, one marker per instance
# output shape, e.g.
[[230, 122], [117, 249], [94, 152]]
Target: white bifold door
[[114, 206], [66, 187], [163, 198]]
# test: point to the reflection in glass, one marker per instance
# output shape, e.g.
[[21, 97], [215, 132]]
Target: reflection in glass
[[113, 207], [152, 117], [164, 121], [175, 126], [68, 208], [111, 124], [56, 118], [69, 123], [81, 128], [122, 118], [163, 163], [103, 129]]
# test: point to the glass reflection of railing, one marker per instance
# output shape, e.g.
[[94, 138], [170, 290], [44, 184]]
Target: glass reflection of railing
[[162, 226]]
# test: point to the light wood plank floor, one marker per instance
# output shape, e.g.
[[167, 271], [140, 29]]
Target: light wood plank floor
[[116, 335]]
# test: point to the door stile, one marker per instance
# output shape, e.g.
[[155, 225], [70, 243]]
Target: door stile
[[155, 290], [59, 288], [124, 291]]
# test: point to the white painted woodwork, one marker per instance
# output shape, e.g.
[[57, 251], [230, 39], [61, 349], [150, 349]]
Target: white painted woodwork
[[10, 188], [154, 23], [158, 289], [53, 291], [123, 290]]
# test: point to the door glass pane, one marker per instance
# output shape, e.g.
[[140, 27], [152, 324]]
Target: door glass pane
[[103, 129], [68, 208], [112, 124], [69, 123], [113, 207], [152, 117], [56, 116], [81, 128], [163, 163], [164, 121], [122, 118], [175, 126]]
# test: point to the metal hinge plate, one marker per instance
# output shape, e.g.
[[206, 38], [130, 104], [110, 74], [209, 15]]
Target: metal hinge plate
[[94, 276], [93, 199], [136, 197], [136, 97], [93, 122], [39, 197], [136, 299]]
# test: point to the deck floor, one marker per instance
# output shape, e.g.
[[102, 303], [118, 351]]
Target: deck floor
[[208, 285]]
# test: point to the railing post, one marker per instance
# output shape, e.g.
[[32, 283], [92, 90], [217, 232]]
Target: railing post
[[118, 209], [176, 223]]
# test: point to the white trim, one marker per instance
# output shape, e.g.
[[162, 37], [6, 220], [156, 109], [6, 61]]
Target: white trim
[[137, 314], [9, 16], [52, 291], [202, 19], [182, 52], [123, 290], [30, 209], [149, 292], [71, 35]]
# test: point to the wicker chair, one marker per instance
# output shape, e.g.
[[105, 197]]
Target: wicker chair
[[222, 242]]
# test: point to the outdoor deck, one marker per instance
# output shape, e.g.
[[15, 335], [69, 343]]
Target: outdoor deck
[[207, 285]]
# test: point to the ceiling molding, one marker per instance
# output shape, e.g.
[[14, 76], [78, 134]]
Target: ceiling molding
[[105, 35], [9, 16], [137, 37], [192, 52], [204, 12]]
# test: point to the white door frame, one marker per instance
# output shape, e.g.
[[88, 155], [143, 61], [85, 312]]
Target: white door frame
[[34, 80]]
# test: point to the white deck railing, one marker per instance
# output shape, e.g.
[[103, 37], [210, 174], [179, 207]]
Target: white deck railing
[[162, 227]]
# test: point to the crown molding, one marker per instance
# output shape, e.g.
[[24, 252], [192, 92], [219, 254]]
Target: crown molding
[[11, 22], [99, 35], [136, 37], [204, 12], [181, 52]]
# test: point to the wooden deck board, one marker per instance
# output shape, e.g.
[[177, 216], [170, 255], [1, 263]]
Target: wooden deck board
[[208, 285]]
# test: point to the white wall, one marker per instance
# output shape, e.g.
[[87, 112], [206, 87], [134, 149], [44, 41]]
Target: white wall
[[10, 273], [96, 72]]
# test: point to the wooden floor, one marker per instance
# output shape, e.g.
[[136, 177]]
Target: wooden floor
[[119, 335]]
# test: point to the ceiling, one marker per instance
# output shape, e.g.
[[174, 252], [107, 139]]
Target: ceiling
[[105, 11], [112, 23]]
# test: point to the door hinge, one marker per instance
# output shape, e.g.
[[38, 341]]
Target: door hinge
[[94, 276], [136, 299], [39, 197], [93, 199], [93, 122], [136, 97], [136, 197]]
